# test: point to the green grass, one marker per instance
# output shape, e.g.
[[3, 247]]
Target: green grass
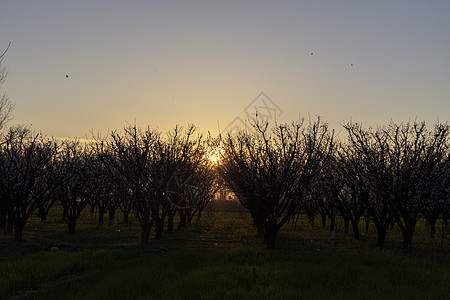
[[223, 274], [218, 257]]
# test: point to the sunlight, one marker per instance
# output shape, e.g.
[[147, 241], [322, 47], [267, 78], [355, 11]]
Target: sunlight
[[212, 154]]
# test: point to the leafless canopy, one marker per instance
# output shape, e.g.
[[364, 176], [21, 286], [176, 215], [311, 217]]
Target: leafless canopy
[[6, 106], [269, 170]]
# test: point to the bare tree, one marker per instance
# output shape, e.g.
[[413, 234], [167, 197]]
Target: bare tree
[[206, 187], [23, 161], [369, 150], [438, 204], [354, 191], [73, 176], [323, 201], [119, 189], [191, 189], [147, 162], [177, 190], [171, 158], [404, 163], [268, 170], [100, 190], [6, 106], [47, 186], [128, 155]]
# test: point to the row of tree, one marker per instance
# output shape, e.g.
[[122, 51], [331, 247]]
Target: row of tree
[[137, 171], [394, 174]]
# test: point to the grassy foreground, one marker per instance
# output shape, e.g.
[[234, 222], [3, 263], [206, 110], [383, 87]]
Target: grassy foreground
[[223, 274], [218, 258]]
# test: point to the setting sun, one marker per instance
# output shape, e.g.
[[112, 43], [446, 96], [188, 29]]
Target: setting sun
[[213, 155]]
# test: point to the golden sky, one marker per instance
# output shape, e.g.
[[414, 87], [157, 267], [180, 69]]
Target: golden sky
[[162, 63]]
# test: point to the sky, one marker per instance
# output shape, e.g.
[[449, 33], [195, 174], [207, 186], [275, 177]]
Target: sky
[[210, 63]]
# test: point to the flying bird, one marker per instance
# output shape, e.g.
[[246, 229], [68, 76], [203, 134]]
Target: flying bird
[[67, 76]]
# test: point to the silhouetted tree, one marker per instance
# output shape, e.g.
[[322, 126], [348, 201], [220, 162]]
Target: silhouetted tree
[[206, 186], [47, 186], [369, 150], [171, 158], [318, 199], [404, 163], [100, 189], [268, 170], [129, 156], [6, 106], [73, 170], [23, 161], [114, 183], [191, 190], [354, 188], [147, 162]]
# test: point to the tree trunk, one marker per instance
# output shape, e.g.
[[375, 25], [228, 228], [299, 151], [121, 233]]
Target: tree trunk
[[355, 228], [72, 224], [170, 222], [324, 220], [2, 219], [10, 223], [64, 216], [159, 227], [367, 221], [42, 213], [92, 211], [392, 225], [310, 218], [407, 240], [333, 223], [382, 233], [270, 234], [145, 231], [101, 215], [182, 223], [199, 214], [259, 224], [190, 217], [18, 230], [126, 217], [260, 229], [432, 227], [346, 224], [111, 215]]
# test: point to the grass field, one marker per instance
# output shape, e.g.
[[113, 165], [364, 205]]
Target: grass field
[[218, 258]]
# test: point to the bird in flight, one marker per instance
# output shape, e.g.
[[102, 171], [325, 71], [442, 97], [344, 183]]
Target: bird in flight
[[67, 76]]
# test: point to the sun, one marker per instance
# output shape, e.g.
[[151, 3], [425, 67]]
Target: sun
[[213, 155]]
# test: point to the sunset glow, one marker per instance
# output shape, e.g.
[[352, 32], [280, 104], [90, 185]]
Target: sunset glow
[[213, 155], [74, 67]]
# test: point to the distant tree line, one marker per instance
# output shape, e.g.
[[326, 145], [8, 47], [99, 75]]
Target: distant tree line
[[395, 174]]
